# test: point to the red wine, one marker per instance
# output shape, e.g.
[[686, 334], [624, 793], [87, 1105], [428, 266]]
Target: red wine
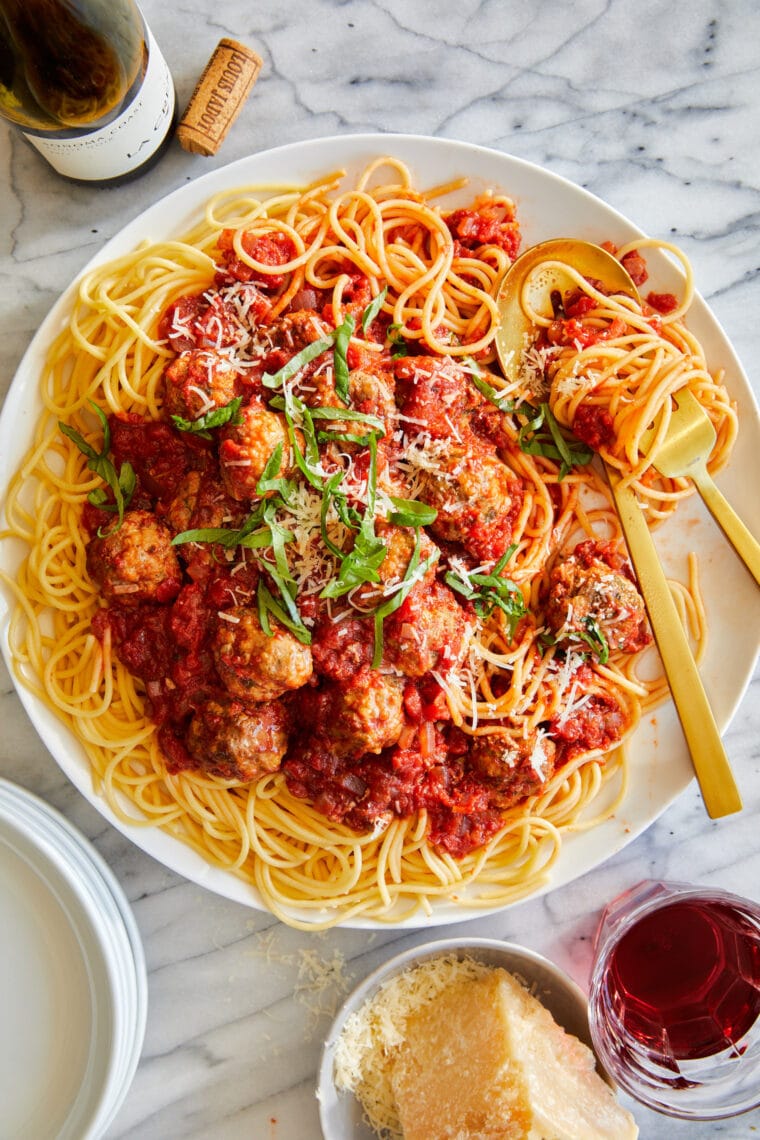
[[86, 84], [685, 978]]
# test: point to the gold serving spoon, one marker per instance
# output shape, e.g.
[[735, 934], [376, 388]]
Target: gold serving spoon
[[516, 331], [683, 451]]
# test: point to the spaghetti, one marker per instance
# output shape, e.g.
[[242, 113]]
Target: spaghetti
[[609, 366], [307, 580]]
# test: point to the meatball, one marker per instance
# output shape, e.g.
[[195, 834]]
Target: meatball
[[515, 767], [136, 561], [236, 742], [198, 504], [288, 336], [435, 393], [427, 631], [341, 649], [197, 382], [254, 665], [365, 715], [371, 392], [399, 547], [477, 498], [590, 594], [594, 725], [246, 448]]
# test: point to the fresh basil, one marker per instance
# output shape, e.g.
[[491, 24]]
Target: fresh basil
[[411, 512], [360, 565], [542, 435], [217, 417], [503, 403], [399, 347], [343, 335], [348, 414], [373, 308], [595, 639], [271, 482], [121, 483], [297, 362], [490, 591], [289, 617]]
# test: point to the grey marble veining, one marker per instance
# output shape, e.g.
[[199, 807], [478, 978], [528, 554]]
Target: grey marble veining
[[655, 108]]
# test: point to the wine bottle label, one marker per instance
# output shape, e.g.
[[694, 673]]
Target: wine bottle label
[[125, 143]]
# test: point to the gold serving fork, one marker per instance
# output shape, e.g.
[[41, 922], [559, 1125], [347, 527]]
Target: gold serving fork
[[683, 451], [713, 771]]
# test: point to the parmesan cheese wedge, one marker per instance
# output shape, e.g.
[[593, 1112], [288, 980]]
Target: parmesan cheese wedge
[[484, 1060]]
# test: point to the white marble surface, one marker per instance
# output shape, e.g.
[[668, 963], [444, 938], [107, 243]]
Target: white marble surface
[[656, 108]]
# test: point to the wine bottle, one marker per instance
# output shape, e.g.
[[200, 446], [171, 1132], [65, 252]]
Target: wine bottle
[[87, 85]]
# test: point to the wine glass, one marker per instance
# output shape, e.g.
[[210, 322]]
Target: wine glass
[[674, 1001]]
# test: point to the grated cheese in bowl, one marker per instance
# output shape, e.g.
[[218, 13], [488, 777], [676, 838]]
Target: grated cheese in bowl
[[366, 1049], [463, 1039]]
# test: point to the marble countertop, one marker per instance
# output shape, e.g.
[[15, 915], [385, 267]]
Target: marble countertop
[[655, 108]]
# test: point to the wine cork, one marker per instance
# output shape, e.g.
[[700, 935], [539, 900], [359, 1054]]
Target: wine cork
[[219, 96]]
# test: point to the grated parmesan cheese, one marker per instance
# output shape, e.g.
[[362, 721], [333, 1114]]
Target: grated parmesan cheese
[[363, 1059], [455, 1048]]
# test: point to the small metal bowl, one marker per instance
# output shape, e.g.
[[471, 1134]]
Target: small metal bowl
[[340, 1113]]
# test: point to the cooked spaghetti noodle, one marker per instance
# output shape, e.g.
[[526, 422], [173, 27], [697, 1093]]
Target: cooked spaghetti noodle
[[609, 366], [447, 636]]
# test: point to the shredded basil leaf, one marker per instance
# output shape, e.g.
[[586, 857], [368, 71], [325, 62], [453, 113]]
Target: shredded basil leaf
[[267, 604], [361, 564], [491, 591], [279, 536], [217, 417], [297, 362], [503, 403], [344, 437], [331, 496], [593, 636], [595, 639], [373, 308], [343, 335], [399, 347], [270, 482], [542, 435], [121, 483], [349, 516], [411, 512], [337, 414]]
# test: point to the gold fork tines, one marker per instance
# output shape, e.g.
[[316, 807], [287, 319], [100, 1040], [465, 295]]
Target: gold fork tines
[[683, 451]]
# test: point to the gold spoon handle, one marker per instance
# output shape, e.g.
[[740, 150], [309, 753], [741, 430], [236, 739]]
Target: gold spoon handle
[[716, 781], [743, 541]]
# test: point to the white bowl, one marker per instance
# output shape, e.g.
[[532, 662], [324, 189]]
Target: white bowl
[[340, 1113]]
